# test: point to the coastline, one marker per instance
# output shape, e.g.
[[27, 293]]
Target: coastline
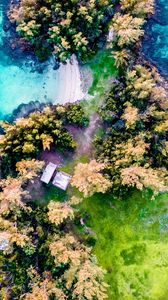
[[24, 80], [71, 81]]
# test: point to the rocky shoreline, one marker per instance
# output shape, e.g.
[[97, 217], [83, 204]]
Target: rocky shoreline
[[23, 110]]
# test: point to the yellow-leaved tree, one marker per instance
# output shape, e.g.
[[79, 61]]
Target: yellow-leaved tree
[[140, 82], [11, 195], [130, 115], [58, 212], [88, 178], [141, 177], [127, 29], [138, 7], [83, 276], [29, 168]]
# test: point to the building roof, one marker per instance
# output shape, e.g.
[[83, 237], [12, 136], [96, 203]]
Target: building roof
[[62, 180], [4, 243], [48, 172]]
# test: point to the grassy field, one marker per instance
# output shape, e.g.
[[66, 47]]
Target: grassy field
[[103, 68], [131, 244], [103, 71], [129, 239]]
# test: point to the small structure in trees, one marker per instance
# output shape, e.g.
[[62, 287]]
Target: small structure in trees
[[4, 243], [61, 180], [48, 172]]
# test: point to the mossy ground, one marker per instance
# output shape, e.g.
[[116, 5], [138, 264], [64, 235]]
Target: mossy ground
[[103, 67], [131, 244], [130, 240], [103, 70]]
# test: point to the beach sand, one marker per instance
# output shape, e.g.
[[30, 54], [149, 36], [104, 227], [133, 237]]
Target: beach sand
[[69, 84]]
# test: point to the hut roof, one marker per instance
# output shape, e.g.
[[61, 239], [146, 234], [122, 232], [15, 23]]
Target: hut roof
[[62, 180], [4, 243], [48, 172]]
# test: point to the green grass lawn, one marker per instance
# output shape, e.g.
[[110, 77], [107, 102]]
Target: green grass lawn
[[130, 241], [103, 69], [131, 244]]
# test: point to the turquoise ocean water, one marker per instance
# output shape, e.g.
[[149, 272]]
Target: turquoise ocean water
[[155, 45], [19, 82]]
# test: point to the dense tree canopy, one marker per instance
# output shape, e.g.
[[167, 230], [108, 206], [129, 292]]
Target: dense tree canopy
[[42, 255], [135, 145], [138, 7], [62, 27], [41, 130], [127, 29], [39, 251]]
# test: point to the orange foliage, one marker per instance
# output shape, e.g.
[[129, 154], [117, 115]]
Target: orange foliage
[[68, 250], [11, 195], [88, 179], [29, 168], [130, 115], [82, 271], [11, 233], [142, 177], [88, 285], [58, 212]]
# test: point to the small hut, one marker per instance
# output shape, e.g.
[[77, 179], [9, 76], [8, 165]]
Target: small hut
[[4, 242], [61, 180], [48, 172]]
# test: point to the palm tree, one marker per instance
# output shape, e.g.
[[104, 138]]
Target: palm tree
[[121, 58]]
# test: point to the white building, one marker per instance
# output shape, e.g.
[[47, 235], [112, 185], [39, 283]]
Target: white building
[[48, 172], [62, 180]]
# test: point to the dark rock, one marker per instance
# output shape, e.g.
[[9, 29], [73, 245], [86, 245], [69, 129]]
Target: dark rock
[[56, 66], [39, 69], [25, 109]]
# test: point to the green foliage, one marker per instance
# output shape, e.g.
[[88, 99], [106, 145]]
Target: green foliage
[[26, 137], [75, 115], [66, 26], [135, 135]]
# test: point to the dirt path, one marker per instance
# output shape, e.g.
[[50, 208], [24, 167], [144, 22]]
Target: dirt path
[[85, 145]]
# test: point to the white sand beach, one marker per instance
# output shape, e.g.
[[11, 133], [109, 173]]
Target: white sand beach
[[69, 85], [21, 83]]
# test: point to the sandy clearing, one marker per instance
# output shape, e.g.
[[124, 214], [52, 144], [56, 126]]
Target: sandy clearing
[[69, 85]]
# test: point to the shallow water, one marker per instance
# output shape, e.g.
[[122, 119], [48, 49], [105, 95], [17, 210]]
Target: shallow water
[[20, 82], [155, 45]]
